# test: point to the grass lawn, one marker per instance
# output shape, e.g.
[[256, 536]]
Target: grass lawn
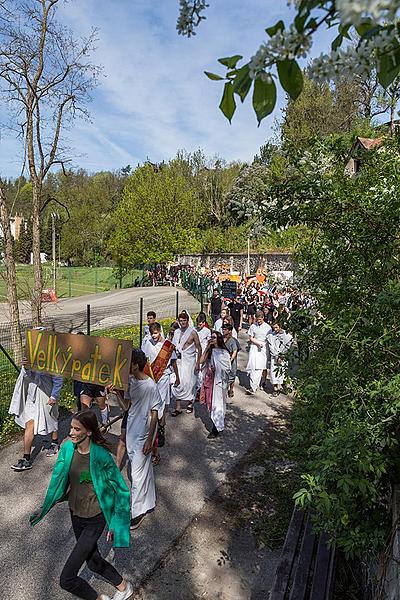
[[71, 281]]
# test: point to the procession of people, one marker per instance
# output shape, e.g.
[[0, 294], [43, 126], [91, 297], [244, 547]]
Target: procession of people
[[168, 375]]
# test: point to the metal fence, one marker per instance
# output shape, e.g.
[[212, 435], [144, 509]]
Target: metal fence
[[200, 287], [122, 320]]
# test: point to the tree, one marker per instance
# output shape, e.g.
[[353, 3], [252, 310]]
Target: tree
[[45, 73], [11, 278], [158, 216], [278, 56]]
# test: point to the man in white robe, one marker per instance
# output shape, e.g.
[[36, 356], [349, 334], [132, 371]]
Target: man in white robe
[[145, 403], [258, 354], [279, 343], [35, 407], [188, 351]]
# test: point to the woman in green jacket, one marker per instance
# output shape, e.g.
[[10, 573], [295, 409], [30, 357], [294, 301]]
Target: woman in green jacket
[[86, 475]]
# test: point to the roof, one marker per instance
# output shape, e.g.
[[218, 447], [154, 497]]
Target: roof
[[369, 143]]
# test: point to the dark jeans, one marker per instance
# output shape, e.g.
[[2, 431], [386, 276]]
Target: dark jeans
[[87, 533]]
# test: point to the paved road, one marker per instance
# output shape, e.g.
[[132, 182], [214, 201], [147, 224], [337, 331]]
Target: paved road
[[191, 469], [108, 309]]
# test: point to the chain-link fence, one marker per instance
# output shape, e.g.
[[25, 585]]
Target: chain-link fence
[[200, 287], [125, 321]]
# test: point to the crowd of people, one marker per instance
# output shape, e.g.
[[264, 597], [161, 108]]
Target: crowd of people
[[189, 363]]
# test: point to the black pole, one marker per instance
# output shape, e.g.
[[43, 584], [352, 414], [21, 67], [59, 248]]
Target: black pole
[[141, 322], [177, 305], [88, 318], [201, 295], [9, 357]]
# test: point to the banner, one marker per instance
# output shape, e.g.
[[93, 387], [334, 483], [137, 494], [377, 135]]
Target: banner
[[89, 359], [229, 289]]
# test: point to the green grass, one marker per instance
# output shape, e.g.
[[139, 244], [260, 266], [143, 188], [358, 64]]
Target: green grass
[[70, 281]]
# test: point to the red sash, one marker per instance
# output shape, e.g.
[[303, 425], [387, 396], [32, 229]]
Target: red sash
[[156, 369]]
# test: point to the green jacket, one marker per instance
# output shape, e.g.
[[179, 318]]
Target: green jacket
[[110, 487]]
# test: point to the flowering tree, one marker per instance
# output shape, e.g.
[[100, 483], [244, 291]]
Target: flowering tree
[[278, 56]]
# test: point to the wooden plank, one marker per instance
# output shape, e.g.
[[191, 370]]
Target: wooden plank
[[330, 584], [282, 573], [321, 569], [300, 581]]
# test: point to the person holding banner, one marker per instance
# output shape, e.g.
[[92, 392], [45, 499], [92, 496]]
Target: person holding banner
[[34, 405], [161, 361]]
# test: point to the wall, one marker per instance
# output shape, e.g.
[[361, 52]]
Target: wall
[[270, 261]]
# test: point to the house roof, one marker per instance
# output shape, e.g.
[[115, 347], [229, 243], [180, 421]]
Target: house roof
[[369, 143]]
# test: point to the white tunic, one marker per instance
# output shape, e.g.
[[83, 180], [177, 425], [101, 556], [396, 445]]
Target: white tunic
[[221, 362], [152, 350], [204, 334], [258, 356], [186, 365], [144, 397], [30, 401], [279, 343]]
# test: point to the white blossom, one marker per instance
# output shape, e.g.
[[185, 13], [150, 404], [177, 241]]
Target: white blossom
[[286, 44], [353, 12]]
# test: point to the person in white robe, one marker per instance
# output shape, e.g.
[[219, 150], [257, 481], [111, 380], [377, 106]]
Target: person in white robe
[[152, 347], [188, 351], [258, 354], [144, 402], [279, 342], [35, 406], [151, 318], [217, 362], [218, 322], [204, 333]]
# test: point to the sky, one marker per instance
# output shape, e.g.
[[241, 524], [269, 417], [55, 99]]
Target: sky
[[153, 98]]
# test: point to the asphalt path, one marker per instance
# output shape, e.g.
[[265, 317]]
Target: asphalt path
[[109, 309], [191, 469]]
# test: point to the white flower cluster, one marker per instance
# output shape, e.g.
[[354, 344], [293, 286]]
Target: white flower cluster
[[351, 60], [286, 44], [353, 12], [190, 16]]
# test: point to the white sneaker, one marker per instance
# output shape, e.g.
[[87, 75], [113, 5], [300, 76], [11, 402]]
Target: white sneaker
[[127, 593]]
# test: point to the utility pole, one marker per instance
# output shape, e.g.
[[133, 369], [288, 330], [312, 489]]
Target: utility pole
[[248, 256], [53, 224]]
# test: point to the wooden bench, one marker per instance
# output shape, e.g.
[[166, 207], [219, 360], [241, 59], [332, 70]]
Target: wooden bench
[[306, 566]]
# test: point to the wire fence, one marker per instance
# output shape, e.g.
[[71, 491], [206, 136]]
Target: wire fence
[[124, 321]]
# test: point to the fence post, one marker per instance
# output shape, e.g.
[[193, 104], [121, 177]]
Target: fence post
[[141, 322], [88, 318], [177, 305], [201, 295], [96, 281], [69, 282]]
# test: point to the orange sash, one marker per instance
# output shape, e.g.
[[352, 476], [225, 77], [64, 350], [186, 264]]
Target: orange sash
[[156, 369]]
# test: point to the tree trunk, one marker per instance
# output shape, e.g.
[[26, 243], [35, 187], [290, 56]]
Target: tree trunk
[[36, 302], [11, 280], [392, 125]]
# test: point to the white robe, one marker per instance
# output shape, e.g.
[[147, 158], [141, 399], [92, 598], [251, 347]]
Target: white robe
[[144, 397], [204, 336], [30, 402], [221, 362], [152, 350], [186, 365], [279, 343], [258, 356]]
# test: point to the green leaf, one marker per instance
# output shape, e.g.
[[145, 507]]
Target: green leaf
[[300, 21], [213, 76], [344, 31], [279, 26], [291, 77], [242, 82], [388, 67], [230, 61], [337, 42], [364, 27], [228, 104], [264, 98]]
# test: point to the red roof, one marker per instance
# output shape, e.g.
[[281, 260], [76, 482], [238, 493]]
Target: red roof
[[369, 143]]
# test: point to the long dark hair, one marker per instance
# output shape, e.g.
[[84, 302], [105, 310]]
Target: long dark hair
[[89, 421], [220, 343]]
